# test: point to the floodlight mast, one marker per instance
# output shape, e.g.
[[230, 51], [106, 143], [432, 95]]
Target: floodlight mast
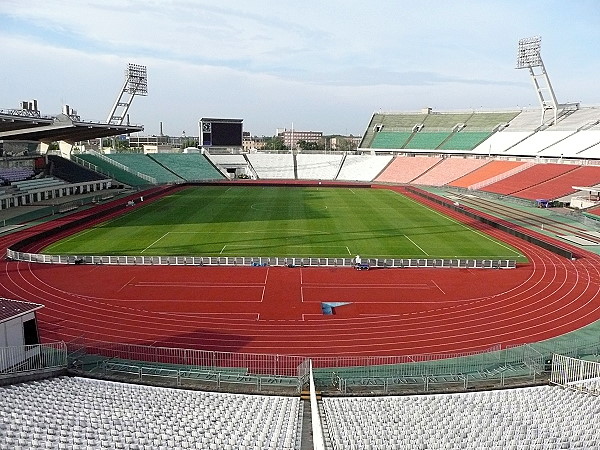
[[136, 83], [529, 57]]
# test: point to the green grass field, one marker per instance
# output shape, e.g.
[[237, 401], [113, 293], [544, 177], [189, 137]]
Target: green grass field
[[286, 222]]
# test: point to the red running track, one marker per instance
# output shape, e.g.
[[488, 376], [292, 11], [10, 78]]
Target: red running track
[[277, 309]]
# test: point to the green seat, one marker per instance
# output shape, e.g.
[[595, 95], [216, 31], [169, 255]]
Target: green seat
[[188, 166], [385, 139], [425, 140], [113, 171]]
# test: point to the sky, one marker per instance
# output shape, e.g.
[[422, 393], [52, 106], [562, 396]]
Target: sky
[[313, 65]]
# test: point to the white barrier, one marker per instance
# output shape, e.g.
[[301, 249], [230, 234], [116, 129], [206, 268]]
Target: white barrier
[[371, 263]]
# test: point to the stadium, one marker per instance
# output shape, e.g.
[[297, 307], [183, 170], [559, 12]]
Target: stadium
[[437, 288]]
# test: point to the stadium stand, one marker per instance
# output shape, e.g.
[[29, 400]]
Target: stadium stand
[[388, 139], [113, 171], [536, 174], [489, 120], [80, 413], [527, 120], [527, 418], [537, 142], [500, 141], [318, 166], [464, 140], [273, 165], [224, 160], [139, 162], [36, 183], [10, 174], [390, 122], [401, 121], [563, 184], [432, 130], [445, 121], [404, 169], [363, 168], [427, 140], [449, 169], [578, 119], [187, 166], [519, 128], [491, 171], [574, 144], [592, 152], [69, 171]]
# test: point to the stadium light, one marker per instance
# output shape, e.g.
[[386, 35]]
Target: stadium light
[[529, 53], [529, 56], [136, 79], [136, 83]]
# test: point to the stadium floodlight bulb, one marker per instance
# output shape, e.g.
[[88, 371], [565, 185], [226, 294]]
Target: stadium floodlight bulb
[[529, 52]]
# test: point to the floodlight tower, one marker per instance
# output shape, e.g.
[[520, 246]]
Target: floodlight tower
[[136, 83], [529, 57]]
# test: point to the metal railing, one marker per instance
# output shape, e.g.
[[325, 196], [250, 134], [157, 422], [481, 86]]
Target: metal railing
[[219, 380], [494, 367], [259, 261], [31, 358], [577, 374]]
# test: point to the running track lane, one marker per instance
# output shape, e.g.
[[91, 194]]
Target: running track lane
[[475, 309]]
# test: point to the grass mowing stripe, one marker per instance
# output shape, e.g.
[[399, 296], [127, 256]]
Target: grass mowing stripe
[[326, 222]]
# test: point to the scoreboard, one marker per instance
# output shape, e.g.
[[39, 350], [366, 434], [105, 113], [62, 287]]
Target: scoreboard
[[221, 132]]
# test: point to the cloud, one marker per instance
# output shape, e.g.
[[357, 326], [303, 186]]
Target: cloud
[[323, 65]]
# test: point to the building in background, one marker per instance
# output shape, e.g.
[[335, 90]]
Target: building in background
[[250, 143], [343, 143], [292, 137]]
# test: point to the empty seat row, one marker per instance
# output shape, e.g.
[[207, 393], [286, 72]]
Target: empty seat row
[[83, 413]]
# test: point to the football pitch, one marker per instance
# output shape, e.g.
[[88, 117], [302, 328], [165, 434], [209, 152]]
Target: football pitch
[[285, 222]]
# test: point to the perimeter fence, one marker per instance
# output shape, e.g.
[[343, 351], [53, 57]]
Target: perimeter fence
[[494, 367]]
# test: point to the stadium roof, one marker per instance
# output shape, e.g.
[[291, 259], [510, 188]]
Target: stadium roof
[[14, 308], [9, 122], [59, 128]]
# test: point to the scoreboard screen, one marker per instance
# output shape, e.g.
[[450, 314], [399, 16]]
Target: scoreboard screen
[[221, 132]]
